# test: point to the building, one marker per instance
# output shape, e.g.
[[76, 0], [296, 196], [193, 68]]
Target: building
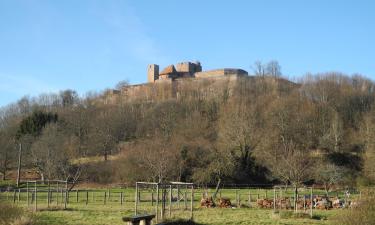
[[188, 70]]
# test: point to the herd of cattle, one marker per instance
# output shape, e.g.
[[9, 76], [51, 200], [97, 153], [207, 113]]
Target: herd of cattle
[[318, 202]]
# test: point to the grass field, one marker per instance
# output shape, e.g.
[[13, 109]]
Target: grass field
[[104, 208]]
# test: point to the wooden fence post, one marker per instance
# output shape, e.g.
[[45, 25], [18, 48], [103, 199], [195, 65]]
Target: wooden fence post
[[48, 199], [14, 196], [157, 202], [87, 197], [249, 200], [36, 197], [105, 197], [191, 202], [274, 199], [297, 198], [185, 196], [136, 199], [27, 194], [49, 194], [57, 196], [122, 199], [152, 198], [170, 201], [236, 193], [66, 192], [311, 205]]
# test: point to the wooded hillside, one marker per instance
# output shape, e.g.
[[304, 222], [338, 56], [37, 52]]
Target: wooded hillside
[[320, 129]]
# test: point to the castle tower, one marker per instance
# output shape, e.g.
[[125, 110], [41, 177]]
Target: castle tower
[[152, 73]]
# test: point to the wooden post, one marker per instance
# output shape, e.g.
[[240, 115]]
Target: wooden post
[[14, 196], [48, 199], [152, 198], [36, 197], [49, 194], [191, 202], [297, 198], [178, 196], [105, 198], [281, 197], [27, 194], [237, 198], [185, 196], [66, 192], [170, 201], [121, 199], [136, 199], [311, 199], [164, 193], [274, 199], [57, 193], [157, 203], [65, 198], [249, 200], [62, 194], [87, 197], [57, 197]]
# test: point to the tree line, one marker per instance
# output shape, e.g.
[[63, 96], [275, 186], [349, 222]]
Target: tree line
[[264, 129]]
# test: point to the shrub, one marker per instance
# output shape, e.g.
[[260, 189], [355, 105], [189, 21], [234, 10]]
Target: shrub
[[363, 214], [12, 215]]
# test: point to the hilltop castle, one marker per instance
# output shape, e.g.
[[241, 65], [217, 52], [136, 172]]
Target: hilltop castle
[[175, 81], [188, 70]]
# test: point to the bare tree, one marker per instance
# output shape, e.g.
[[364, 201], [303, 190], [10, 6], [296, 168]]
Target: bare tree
[[259, 69], [273, 69]]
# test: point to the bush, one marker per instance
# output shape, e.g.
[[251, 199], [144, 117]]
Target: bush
[[363, 214], [12, 215]]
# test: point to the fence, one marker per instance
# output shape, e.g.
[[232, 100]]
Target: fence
[[56, 194]]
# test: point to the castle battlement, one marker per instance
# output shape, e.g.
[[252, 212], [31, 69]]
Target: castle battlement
[[188, 70]]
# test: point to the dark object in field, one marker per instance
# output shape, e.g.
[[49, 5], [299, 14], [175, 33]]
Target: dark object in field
[[138, 218], [225, 203], [207, 202]]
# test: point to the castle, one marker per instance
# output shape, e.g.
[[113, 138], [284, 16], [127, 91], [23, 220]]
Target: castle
[[188, 70], [175, 81]]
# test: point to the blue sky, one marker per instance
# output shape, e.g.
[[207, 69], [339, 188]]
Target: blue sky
[[47, 46]]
